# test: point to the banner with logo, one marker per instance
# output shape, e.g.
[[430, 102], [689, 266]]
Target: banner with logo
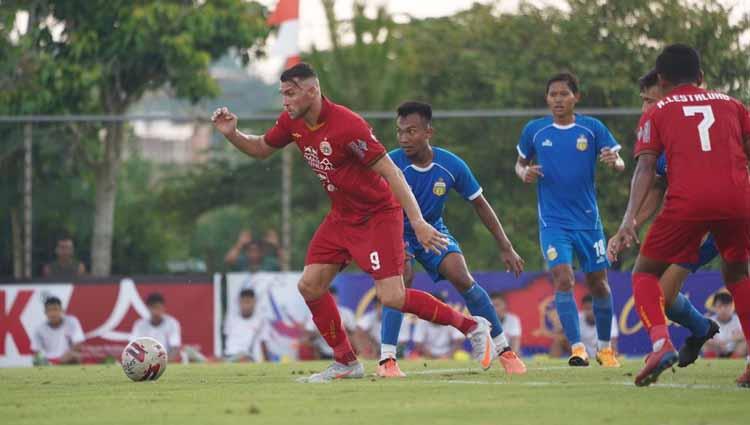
[[279, 302], [107, 310], [531, 298]]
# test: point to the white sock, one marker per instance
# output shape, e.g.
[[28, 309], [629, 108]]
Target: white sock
[[600, 345], [658, 344], [387, 351], [501, 343], [748, 360]]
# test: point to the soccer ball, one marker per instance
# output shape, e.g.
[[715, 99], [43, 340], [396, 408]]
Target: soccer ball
[[144, 359]]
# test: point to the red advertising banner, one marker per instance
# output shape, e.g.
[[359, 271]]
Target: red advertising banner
[[107, 310]]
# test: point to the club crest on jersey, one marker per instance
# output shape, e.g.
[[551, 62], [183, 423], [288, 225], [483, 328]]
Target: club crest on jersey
[[582, 143], [551, 253], [547, 143], [439, 187], [326, 148]]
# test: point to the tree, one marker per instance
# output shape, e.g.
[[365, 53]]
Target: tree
[[109, 53]]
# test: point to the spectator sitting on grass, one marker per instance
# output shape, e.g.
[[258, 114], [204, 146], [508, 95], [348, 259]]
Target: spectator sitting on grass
[[59, 339], [246, 333]]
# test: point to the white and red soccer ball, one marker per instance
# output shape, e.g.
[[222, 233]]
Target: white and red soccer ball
[[144, 359]]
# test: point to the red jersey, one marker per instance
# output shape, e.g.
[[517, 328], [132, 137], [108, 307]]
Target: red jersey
[[340, 150], [701, 133]]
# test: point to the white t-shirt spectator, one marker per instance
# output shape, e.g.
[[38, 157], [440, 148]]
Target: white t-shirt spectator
[[589, 337], [511, 325], [371, 323], [347, 319], [167, 332], [437, 340], [729, 333], [54, 342], [244, 336]]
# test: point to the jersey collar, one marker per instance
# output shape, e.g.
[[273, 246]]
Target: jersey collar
[[684, 88], [325, 108]]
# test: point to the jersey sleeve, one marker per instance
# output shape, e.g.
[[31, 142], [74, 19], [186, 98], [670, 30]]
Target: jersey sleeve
[[77, 336], [280, 134], [604, 137], [525, 145], [648, 136], [175, 337], [466, 184], [37, 341], [744, 120], [362, 143]]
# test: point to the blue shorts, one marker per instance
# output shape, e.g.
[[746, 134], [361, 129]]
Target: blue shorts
[[590, 247], [428, 259], [707, 252]]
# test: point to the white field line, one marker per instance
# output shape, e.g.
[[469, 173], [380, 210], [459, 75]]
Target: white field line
[[568, 384], [468, 370]]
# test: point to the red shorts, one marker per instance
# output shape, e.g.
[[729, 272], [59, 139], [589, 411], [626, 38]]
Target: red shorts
[[377, 245], [678, 241]]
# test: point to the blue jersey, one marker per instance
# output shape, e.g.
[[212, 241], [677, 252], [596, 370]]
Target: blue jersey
[[431, 184], [568, 155], [661, 166]]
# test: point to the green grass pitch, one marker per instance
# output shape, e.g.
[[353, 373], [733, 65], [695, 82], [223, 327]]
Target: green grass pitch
[[436, 392]]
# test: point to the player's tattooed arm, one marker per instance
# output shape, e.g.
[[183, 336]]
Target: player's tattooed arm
[[512, 261], [428, 236], [652, 202], [255, 146], [643, 181], [527, 172]]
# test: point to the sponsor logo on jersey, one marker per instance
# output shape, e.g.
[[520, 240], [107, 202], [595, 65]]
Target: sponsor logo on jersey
[[551, 253], [644, 133], [311, 156], [582, 143], [358, 147], [439, 187], [547, 143], [326, 148], [296, 136]]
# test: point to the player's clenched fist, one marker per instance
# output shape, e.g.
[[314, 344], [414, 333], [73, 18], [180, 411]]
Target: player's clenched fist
[[429, 237], [224, 121], [531, 173]]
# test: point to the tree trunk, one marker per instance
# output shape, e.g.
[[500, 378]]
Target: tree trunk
[[106, 173], [15, 229]]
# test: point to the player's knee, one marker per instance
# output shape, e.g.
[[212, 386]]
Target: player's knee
[[392, 297], [562, 280], [309, 289], [463, 284], [597, 283]]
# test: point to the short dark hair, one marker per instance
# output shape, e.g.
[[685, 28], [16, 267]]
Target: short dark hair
[[422, 109], [564, 77], [154, 298], [247, 292], [648, 80], [52, 300], [587, 299], [679, 63], [723, 298], [300, 71]]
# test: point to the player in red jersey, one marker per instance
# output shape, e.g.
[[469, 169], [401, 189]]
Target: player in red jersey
[[705, 136], [365, 223]]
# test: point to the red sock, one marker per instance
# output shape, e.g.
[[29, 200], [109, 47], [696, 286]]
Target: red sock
[[326, 316], [741, 293], [429, 308], [649, 303]]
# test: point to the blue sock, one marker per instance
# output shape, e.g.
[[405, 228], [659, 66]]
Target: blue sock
[[603, 315], [391, 326], [567, 311], [479, 304], [683, 312]]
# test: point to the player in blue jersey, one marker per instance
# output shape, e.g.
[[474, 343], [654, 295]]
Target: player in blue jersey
[[431, 173], [677, 306], [566, 147]]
